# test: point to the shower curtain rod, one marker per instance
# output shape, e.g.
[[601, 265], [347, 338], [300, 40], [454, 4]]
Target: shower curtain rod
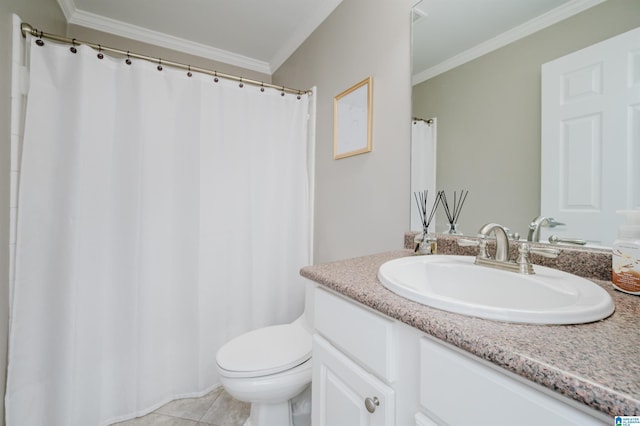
[[26, 28], [428, 121]]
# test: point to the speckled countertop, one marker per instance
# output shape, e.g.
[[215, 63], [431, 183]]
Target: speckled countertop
[[597, 364]]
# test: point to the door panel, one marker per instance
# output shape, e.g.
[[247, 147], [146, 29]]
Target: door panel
[[591, 138], [341, 388]]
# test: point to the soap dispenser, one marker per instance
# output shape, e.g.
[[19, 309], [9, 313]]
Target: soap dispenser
[[626, 254]]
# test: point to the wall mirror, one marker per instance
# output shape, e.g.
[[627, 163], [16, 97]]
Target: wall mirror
[[352, 120], [486, 96]]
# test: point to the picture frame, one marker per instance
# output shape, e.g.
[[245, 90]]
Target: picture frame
[[352, 120]]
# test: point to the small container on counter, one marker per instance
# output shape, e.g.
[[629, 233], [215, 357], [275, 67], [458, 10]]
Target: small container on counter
[[626, 254]]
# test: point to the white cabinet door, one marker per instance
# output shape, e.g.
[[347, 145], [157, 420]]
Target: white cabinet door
[[590, 158], [458, 389], [344, 394]]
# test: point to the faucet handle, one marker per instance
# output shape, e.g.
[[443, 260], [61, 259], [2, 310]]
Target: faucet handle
[[545, 252], [552, 223], [463, 242], [481, 243], [512, 235], [523, 261], [554, 239]]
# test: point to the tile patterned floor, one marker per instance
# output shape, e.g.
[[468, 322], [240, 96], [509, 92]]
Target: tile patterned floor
[[217, 408]]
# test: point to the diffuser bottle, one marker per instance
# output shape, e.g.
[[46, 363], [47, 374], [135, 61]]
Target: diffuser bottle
[[626, 254]]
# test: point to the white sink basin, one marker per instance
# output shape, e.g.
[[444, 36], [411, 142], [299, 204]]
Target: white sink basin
[[455, 284]]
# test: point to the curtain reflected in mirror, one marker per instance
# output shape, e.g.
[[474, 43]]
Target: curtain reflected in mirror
[[423, 166]]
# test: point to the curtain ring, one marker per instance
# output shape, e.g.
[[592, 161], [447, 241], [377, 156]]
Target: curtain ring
[[159, 64], [241, 85], [39, 41], [215, 76], [261, 86], [73, 46], [189, 73], [128, 60], [282, 93], [100, 55]]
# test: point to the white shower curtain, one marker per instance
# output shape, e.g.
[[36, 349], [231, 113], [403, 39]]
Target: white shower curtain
[[159, 216]]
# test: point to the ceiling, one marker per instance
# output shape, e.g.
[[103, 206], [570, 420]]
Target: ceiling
[[260, 35], [448, 33], [254, 34]]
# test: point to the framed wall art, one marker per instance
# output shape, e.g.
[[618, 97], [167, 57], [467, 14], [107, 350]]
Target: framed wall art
[[352, 120]]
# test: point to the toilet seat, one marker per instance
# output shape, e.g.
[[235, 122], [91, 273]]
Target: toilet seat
[[265, 351]]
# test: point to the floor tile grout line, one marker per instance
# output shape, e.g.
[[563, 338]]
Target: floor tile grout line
[[178, 416], [211, 405]]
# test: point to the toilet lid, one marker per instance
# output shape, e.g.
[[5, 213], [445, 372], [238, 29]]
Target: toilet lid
[[264, 351]]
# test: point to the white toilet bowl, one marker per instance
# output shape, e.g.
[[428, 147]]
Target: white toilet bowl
[[267, 367]]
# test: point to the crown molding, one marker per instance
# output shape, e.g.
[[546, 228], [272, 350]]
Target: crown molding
[[534, 25], [303, 32], [112, 26], [68, 8]]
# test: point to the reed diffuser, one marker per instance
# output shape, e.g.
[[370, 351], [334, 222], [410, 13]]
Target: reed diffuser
[[453, 212], [426, 243]]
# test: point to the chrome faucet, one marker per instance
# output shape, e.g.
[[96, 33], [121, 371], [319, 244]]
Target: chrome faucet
[[502, 241], [501, 261], [538, 222]]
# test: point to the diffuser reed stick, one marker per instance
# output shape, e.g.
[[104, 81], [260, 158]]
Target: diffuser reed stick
[[453, 212], [425, 244], [422, 208]]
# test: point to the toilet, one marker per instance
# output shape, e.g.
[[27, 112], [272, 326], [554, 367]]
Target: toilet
[[271, 368]]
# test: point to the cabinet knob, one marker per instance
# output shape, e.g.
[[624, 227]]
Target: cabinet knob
[[371, 404]]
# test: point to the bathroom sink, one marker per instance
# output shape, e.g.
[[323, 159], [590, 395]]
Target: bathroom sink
[[455, 284]]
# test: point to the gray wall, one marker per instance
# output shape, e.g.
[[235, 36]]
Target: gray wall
[[361, 202], [488, 114], [45, 13]]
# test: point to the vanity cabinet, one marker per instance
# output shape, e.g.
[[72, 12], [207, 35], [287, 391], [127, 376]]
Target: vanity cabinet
[[348, 386], [369, 369], [457, 388], [344, 393]]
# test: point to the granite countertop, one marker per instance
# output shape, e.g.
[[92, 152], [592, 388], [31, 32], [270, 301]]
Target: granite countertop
[[596, 364]]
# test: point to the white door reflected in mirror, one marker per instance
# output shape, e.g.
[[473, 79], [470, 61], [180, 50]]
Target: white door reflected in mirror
[[590, 158]]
